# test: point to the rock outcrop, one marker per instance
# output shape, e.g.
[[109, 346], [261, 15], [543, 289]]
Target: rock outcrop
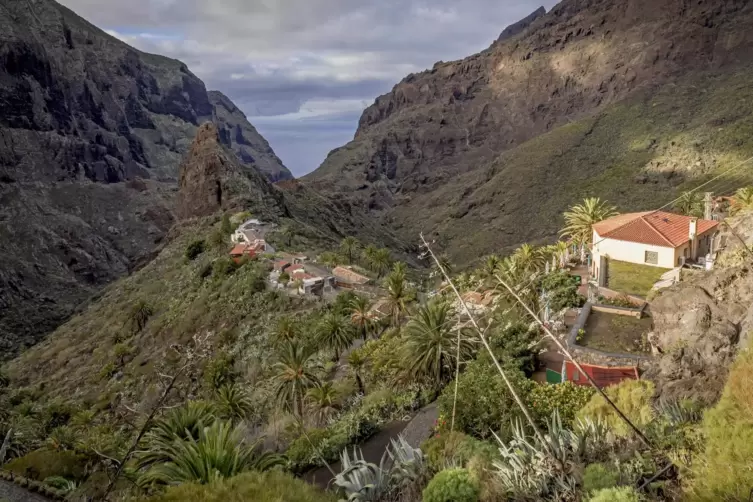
[[470, 149], [92, 132], [517, 28], [700, 324]]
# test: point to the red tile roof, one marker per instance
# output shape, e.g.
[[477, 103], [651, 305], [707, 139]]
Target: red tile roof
[[295, 268], [238, 250], [281, 264], [347, 275], [657, 228]]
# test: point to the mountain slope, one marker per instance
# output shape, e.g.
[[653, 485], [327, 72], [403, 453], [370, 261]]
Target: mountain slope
[[91, 135], [460, 150]]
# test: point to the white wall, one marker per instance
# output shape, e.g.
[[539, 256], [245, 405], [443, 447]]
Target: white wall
[[632, 252]]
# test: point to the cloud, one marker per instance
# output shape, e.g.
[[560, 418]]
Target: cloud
[[280, 59]]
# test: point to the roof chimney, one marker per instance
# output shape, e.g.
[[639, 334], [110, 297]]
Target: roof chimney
[[693, 230]]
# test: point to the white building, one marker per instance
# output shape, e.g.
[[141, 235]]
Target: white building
[[653, 238]]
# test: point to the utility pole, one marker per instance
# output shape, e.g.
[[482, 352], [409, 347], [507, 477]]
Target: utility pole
[[708, 205]]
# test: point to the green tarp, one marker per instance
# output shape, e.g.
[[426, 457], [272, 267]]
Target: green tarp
[[553, 376]]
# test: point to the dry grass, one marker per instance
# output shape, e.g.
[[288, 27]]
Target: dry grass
[[632, 278]]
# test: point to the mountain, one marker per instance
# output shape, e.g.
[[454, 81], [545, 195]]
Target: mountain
[[628, 101], [92, 133]]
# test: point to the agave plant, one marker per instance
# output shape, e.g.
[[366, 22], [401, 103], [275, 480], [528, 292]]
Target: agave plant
[[219, 452], [533, 468], [678, 413], [363, 481], [408, 463], [234, 403]]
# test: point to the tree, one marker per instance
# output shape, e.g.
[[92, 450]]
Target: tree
[[330, 259], [690, 204], [287, 329], [360, 316], [529, 258], [369, 256], [284, 278], [234, 403], [287, 232], [399, 295], [139, 315], [742, 200], [349, 248], [335, 333], [431, 339], [444, 260], [219, 452], [521, 280], [580, 219], [382, 261], [322, 399], [489, 268], [294, 373], [357, 363], [226, 227], [195, 249]]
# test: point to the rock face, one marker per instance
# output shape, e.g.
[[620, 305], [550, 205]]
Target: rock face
[[212, 180], [459, 150], [244, 140], [521, 25], [699, 325], [92, 132]]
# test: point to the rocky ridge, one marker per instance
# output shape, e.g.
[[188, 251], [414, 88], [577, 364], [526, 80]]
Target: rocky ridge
[[91, 135], [466, 149]]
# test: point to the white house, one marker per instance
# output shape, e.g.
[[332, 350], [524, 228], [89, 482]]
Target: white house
[[652, 238], [248, 232]]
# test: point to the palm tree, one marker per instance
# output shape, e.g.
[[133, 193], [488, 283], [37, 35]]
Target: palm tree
[[369, 255], [220, 451], [529, 258], [399, 295], [382, 261], [139, 315], [357, 363], [234, 403], [294, 373], [742, 200], [690, 204], [431, 342], [489, 268], [286, 329], [521, 280], [444, 261], [335, 333], [287, 232], [580, 219], [330, 259], [360, 315], [349, 248], [322, 399], [562, 253]]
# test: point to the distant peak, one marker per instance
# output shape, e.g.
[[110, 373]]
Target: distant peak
[[521, 25]]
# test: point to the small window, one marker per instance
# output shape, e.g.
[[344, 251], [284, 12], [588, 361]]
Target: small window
[[652, 257]]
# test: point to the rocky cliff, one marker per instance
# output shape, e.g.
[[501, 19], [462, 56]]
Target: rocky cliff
[[91, 135], [596, 97]]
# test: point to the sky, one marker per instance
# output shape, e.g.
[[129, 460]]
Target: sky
[[303, 70]]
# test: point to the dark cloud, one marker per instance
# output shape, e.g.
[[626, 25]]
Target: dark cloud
[[303, 70]]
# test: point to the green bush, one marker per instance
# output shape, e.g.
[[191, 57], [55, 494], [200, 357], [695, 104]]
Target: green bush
[[220, 371], [455, 449], [633, 397], [451, 485], [43, 464], [621, 494], [511, 344], [205, 271], [563, 290], [599, 477], [272, 486], [223, 267], [195, 249], [484, 402], [566, 397], [724, 471]]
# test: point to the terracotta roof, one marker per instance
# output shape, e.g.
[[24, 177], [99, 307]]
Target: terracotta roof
[[348, 275], [295, 268], [281, 264], [657, 228], [238, 249]]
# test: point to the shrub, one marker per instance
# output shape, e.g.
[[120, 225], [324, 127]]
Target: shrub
[[220, 371], [566, 397], [42, 464], [633, 397], [451, 485], [511, 344], [455, 449], [484, 402], [195, 249], [599, 476], [284, 278], [272, 486], [223, 267], [621, 494], [205, 271], [139, 315], [563, 290], [724, 472], [107, 371], [226, 227]]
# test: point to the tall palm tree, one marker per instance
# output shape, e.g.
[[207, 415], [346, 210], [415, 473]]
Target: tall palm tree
[[562, 253], [360, 316], [529, 258], [382, 261], [489, 268], [399, 295], [287, 232], [522, 281], [431, 340], [330, 259], [580, 219], [742, 200], [294, 373], [335, 333], [690, 204], [369, 255], [322, 400], [349, 248], [286, 329], [357, 363]]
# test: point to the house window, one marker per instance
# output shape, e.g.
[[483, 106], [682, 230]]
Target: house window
[[652, 257]]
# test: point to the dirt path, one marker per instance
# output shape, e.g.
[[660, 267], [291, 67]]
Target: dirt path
[[13, 493]]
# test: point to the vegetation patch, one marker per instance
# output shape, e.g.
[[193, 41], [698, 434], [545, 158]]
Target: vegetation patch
[[633, 278], [616, 333]]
